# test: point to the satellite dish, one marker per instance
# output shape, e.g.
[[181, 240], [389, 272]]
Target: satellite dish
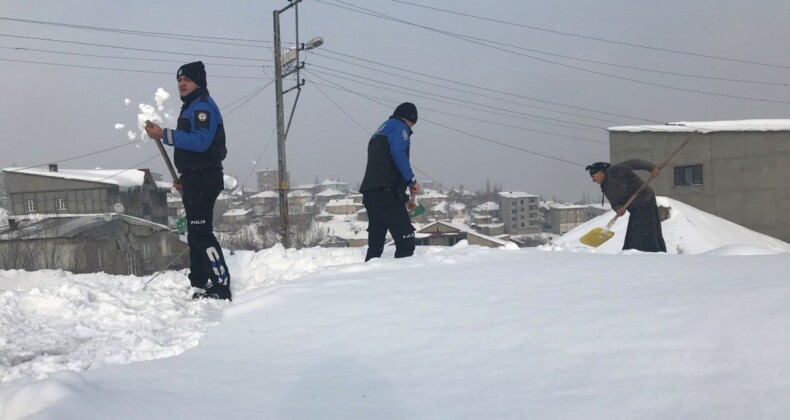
[[118, 207]]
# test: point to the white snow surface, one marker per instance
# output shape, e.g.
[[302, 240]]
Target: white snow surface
[[711, 126], [451, 333]]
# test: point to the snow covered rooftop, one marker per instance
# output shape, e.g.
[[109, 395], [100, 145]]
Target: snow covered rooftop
[[69, 226], [299, 193], [516, 194], [266, 194], [124, 178], [341, 202], [330, 193], [709, 126], [333, 182], [237, 212], [487, 206]]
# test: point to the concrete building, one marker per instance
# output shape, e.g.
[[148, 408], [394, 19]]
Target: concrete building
[[36, 192], [519, 212], [110, 243], [562, 218], [737, 170], [448, 234], [269, 180]]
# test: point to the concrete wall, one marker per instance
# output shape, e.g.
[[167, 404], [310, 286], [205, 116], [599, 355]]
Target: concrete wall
[[745, 174]]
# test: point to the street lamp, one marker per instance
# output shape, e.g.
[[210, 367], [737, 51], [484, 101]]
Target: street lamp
[[282, 60]]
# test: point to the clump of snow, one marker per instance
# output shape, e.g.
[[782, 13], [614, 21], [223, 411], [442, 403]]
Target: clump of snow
[[127, 101], [160, 97], [230, 182], [120, 126]]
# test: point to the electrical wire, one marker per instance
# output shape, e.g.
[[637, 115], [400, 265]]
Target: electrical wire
[[592, 38], [488, 43], [485, 139]]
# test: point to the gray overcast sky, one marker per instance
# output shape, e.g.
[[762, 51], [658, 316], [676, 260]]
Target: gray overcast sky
[[559, 104]]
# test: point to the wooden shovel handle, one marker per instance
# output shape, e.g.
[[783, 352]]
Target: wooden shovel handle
[[165, 156]]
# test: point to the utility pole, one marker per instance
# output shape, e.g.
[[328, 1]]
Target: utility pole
[[283, 62], [281, 167]]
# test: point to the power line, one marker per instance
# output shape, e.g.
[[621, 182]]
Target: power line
[[487, 43], [183, 37], [499, 124], [250, 98], [161, 60], [485, 88], [93, 44], [124, 70], [479, 137], [468, 92], [643, 69], [487, 109], [363, 128], [592, 38], [81, 156]]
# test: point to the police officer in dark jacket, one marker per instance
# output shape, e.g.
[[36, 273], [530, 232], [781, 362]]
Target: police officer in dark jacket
[[387, 176], [199, 142]]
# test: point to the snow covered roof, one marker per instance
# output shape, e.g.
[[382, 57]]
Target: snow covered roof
[[330, 193], [333, 182], [341, 202], [124, 178], [71, 225], [708, 126], [266, 194], [487, 206], [426, 193], [516, 194], [237, 212], [299, 193], [563, 206]]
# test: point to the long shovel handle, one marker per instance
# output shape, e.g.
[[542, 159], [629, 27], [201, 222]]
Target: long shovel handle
[[165, 157], [644, 185]]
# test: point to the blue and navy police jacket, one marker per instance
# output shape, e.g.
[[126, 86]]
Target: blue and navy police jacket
[[388, 166], [199, 137]]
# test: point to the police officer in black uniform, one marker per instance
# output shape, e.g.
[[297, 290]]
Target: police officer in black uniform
[[387, 176], [199, 142]]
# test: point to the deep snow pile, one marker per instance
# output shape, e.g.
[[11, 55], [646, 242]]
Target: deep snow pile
[[687, 231], [462, 332]]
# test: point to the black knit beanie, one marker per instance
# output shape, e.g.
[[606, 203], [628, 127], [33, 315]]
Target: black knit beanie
[[406, 110], [195, 71]]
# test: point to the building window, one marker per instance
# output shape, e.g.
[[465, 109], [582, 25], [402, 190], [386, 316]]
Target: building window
[[145, 249], [522, 224], [101, 258], [131, 263], [688, 175], [30, 206], [146, 209], [513, 211], [522, 202], [61, 204]]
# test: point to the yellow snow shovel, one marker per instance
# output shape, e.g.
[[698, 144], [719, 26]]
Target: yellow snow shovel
[[597, 236]]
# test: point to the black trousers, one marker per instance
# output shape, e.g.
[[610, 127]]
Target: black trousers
[[387, 212], [199, 192], [644, 229]]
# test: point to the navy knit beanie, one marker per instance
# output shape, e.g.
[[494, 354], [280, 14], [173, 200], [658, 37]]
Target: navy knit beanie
[[195, 71], [406, 110]]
